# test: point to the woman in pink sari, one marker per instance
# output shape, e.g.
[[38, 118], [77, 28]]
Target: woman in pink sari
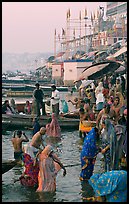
[[49, 165], [53, 128]]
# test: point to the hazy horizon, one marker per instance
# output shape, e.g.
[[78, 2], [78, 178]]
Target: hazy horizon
[[28, 27]]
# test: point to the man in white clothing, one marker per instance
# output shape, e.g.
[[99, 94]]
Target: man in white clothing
[[55, 99]]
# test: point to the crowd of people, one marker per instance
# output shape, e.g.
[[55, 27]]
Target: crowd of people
[[110, 113], [104, 104]]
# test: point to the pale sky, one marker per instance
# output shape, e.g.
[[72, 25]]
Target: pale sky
[[30, 26]]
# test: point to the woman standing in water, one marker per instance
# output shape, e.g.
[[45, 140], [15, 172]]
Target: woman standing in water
[[109, 186], [53, 127], [49, 165], [88, 154], [109, 146]]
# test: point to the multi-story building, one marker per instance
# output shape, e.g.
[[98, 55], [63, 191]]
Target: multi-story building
[[116, 13], [116, 8]]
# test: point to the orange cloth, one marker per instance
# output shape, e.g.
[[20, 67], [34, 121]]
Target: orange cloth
[[84, 128], [47, 171]]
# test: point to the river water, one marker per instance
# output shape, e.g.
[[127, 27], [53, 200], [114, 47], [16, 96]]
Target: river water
[[69, 188]]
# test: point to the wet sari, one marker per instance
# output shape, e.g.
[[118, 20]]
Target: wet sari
[[112, 185], [120, 135], [113, 145], [53, 128], [105, 141], [88, 155], [47, 171], [30, 175]]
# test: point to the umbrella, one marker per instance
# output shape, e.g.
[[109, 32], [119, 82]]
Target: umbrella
[[51, 58], [118, 53], [92, 53], [121, 70], [97, 70], [101, 53], [121, 51]]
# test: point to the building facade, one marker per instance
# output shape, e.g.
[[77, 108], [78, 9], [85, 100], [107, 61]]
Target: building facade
[[116, 8], [58, 72], [73, 69]]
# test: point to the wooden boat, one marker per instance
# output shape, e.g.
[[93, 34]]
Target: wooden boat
[[7, 165], [22, 121], [20, 90], [19, 93]]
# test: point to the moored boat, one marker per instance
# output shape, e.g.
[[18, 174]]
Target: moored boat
[[22, 121], [7, 165]]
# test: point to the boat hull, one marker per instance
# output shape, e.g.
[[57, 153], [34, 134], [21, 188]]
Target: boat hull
[[22, 121], [7, 165]]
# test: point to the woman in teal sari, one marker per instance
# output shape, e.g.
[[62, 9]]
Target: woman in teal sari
[[109, 186], [109, 146]]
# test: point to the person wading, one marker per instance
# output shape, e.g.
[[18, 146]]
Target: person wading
[[17, 141]]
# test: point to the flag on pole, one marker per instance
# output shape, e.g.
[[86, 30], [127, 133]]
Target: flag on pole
[[80, 15], [69, 13], [74, 32], [97, 13], [94, 16], [63, 31], [85, 12], [91, 19], [59, 37]]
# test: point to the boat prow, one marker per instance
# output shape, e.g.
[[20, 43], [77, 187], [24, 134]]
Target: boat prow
[[7, 165]]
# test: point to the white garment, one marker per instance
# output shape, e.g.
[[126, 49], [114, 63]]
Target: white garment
[[32, 151], [99, 89], [8, 112], [48, 108], [56, 95], [100, 98]]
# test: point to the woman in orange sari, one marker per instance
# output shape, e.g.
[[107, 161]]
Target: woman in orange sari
[[49, 165]]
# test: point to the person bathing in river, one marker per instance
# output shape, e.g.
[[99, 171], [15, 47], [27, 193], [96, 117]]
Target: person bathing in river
[[109, 146], [109, 186], [17, 141], [53, 127], [29, 177], [49, 165], [31, 165], [88, 154], [36, 126], [35, 145]]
